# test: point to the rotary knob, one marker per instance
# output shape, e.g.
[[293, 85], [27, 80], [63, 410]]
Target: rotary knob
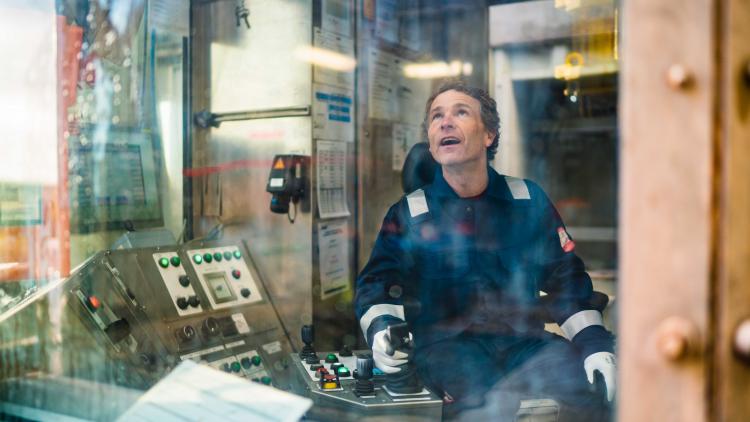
[[186, 333], [210, 327]]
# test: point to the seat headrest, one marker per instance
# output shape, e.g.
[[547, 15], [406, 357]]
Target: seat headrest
[[419, 168]]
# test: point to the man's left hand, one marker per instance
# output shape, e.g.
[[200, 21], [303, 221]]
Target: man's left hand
[[605, 363]]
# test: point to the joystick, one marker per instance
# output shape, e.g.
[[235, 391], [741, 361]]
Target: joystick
[[363, 374], [406, 381], [308, 352]]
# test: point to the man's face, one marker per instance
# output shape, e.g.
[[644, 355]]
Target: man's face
[[456, 133]]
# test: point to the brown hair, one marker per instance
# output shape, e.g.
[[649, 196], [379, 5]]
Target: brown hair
[[488, 109]]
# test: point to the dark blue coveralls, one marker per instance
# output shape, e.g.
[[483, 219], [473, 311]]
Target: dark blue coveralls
[[466, 273]]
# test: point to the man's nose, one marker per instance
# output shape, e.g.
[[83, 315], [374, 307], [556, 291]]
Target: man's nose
[[446, 122]]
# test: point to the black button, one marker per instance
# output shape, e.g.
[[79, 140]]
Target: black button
[[226, 367], [246, 362], [182, 303], [184, 280], [227, 255], [194, 301], [245, 292]]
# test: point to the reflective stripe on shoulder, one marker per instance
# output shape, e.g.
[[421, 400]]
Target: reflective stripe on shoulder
[[379, 310], [580, 320], [417, 203], [517, 187]]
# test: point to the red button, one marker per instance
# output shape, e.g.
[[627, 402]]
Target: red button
[[236, 273], [94, 303]]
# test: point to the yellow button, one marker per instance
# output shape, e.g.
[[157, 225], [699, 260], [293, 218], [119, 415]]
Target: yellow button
[[329, 385]]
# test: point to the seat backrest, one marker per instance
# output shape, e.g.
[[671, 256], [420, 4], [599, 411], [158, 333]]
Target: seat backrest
[[419, 168]]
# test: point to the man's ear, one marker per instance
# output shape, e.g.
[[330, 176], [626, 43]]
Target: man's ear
[[488, 139]]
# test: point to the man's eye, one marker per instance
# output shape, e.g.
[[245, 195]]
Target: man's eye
[[463, 112], [436, 116]]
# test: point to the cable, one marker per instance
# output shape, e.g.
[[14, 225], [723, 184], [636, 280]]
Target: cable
[[289, 214]]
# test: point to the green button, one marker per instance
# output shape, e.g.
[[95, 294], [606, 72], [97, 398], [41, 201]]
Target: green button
[[207, 257], [266, 380], [227, 255], [197, 258], [237, 254], [164, 262], [175, 261], [217, 256], [256, 360], [236, 367]]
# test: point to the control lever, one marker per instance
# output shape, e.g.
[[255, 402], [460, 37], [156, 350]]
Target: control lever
[[406, 381], [308, 353], [363, 374]]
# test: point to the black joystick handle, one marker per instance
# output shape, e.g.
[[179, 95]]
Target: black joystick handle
[[406, 381], [364, 385], [308, 353], [398, 338], [308, 334], [364, 367]]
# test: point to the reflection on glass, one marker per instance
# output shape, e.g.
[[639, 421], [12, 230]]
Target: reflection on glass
[[100, 285]]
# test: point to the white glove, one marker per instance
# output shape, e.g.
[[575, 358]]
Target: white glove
[[389, 364], [605, 363]]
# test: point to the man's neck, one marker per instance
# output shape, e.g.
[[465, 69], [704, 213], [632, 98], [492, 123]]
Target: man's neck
[[468, 180]]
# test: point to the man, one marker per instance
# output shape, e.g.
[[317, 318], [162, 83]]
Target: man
[[463, 260]]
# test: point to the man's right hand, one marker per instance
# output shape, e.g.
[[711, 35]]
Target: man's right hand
[[389, 363]]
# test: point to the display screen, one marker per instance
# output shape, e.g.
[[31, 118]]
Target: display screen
[[113, 179], [220, 289]]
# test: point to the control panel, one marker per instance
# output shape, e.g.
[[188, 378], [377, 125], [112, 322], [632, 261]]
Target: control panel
[[178, 283], [346, 386], [224, 275], [148, 309], [342, 389]]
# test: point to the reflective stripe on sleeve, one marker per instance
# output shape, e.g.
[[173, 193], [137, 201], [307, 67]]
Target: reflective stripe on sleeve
[[517, 187], [580, 320], [376, 311], [417, 203]]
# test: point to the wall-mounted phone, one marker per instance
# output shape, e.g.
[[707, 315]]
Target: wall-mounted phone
[[288, 182]]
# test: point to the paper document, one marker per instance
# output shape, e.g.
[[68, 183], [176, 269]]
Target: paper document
[[334, 258], [193, 392], [331, 175]]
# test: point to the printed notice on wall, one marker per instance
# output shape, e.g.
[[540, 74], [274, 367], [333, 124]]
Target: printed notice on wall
[[331, 176], [341, 50], [384, 80], [332, 113], [333, 258], [337, 17], [404, 136]]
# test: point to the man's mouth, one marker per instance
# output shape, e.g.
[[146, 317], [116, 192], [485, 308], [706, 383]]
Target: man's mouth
[[449, 141]]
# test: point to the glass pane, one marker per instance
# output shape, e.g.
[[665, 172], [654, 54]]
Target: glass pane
[[284, 191]]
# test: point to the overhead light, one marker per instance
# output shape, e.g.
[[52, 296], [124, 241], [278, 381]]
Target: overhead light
[[326, 58], [434, 70], [7, 265]]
